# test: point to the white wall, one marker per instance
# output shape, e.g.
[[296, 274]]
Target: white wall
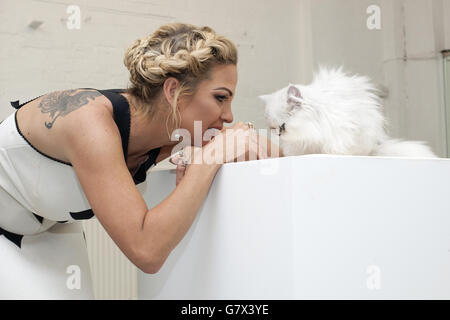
[[403, 56], [53, 57], [279, 41]]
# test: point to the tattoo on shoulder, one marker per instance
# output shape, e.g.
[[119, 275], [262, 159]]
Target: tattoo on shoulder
[[61, 103]]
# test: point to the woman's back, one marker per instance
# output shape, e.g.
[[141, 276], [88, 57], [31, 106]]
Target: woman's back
[[40, 190], [33, 168], [43, 121]]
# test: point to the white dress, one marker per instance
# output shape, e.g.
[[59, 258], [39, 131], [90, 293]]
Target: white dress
[[42, 248]]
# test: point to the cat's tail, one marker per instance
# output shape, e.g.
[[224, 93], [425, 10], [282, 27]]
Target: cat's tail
[[402, 148]]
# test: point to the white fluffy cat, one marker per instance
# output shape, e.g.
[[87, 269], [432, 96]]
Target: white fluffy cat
[[335, 114]]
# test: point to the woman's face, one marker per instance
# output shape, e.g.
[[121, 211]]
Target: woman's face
[[211, 104]]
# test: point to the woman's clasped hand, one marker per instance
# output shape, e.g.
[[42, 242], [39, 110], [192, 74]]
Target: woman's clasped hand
[[231, 144]]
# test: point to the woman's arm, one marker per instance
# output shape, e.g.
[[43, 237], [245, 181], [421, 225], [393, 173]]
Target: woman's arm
[[94, 148], [168, 222]]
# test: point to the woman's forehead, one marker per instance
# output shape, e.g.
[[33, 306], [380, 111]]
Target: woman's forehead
[[223, 76]]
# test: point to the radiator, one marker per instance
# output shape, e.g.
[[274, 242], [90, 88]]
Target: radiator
[[113, 275]]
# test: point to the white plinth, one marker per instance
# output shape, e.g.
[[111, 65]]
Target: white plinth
[[312, 227]]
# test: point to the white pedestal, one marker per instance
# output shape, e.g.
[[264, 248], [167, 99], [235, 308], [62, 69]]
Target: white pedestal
[[312, 227]]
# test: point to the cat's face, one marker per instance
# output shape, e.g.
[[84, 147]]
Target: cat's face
[[336, 114]]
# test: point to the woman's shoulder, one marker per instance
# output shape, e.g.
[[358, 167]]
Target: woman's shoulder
[[62, 104], [86, 111], [56, 119], [73, 110]]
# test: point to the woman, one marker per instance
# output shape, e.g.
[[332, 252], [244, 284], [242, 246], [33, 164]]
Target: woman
[[70, 155]]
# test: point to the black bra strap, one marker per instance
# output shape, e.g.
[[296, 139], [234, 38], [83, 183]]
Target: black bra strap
[[121, 115], [141, 173], [123, 121]]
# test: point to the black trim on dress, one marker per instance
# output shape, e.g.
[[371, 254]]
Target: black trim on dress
[[13, 237], [122, 118], [82, 215]]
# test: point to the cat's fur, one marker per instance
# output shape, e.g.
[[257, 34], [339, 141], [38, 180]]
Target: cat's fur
[[336, 114]]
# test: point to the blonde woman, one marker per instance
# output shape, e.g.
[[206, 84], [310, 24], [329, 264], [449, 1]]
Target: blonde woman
[[69, 155]]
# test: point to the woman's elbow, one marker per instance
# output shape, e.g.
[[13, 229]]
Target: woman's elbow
[[150, 268], [146, 260], [148, 264]]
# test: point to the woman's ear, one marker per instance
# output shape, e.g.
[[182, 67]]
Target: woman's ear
[[169, 87]]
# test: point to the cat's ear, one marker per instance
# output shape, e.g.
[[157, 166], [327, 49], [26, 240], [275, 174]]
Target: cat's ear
[[293, 96]]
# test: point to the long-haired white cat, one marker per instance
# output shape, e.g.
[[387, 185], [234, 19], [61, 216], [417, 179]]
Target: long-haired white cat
[[335, 114]]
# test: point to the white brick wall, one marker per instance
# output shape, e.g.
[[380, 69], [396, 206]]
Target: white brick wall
[[52, 57]]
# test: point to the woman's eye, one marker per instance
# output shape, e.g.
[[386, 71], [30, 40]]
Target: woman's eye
[[221, 98]]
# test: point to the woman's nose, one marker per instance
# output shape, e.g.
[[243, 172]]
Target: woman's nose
[[227, 116]]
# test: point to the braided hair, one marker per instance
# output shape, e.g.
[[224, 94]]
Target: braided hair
[[183, 51]]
